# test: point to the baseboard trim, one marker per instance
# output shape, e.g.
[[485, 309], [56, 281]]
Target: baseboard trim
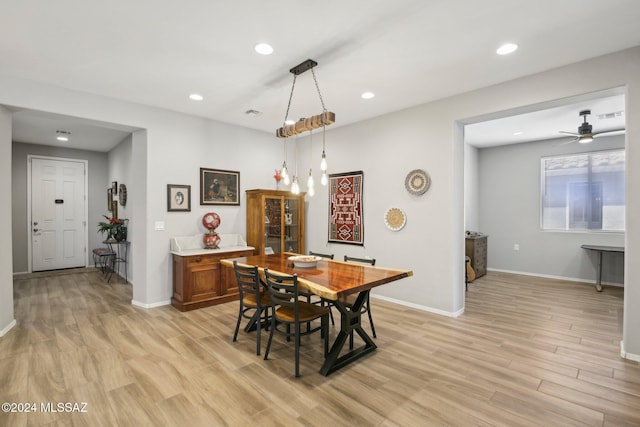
[[152, 305], [8, 328], [629, 356], [549, 276], [420, 307]]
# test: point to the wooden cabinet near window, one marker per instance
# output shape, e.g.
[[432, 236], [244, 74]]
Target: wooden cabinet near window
[[199, 281], [476, 249], [275, 221]]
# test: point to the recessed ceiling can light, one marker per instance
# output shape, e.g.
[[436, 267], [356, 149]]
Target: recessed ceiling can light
[[518, 133], [367, 95], [196, 97], [263, 48], [63, 135], [507, 48]]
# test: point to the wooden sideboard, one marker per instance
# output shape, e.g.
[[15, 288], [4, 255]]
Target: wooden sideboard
[[199, 281], [476, 249]]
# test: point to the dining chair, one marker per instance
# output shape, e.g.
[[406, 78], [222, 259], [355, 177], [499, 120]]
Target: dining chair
[[254, 301], [366, 307], [328, 256], [288, 310]]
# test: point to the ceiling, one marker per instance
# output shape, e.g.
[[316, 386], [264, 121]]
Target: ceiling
[[407, 52]]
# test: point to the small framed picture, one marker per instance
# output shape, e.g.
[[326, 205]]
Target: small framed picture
[[109, 199], [219, 187], [178, 198]]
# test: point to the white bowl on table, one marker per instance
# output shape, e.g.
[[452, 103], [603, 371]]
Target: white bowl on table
[[305, 261]]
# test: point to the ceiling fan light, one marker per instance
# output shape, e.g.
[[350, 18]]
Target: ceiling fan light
[[585, 139]]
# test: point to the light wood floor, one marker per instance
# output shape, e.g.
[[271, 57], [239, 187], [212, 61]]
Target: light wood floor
[[527, 352]]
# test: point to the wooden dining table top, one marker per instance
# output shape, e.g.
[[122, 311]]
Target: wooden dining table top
[[329, 279]]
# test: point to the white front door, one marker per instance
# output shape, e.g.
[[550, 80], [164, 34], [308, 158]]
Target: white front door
[[57, 214]]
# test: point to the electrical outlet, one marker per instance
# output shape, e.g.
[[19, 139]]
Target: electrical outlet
[[159, 225], [516, 247]]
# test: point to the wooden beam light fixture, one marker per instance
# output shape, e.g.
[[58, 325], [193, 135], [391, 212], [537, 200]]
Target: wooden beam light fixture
[[321, 120]]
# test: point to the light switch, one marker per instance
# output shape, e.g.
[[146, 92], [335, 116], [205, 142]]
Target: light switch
[[159, 226]]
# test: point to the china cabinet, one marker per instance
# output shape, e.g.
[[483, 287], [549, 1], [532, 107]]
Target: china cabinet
[[275, 221]]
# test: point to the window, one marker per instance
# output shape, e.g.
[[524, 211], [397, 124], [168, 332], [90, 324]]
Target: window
[[584, 191]]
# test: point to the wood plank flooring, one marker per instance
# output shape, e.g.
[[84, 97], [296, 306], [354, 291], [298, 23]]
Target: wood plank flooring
[[526, 352]]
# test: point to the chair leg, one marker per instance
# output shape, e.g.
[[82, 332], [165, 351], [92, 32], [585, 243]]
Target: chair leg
[[273, 328], [258, 317], [235, 334], [297, 348]]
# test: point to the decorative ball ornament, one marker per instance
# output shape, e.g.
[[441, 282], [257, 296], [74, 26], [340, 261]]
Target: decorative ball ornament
[[211, 221]]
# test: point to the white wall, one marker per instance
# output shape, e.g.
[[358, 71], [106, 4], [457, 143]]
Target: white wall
[[471, 189], [119, 166], [510, 214], [6, 280]]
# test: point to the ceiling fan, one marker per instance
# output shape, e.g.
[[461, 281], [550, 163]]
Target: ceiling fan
[[585, 131]]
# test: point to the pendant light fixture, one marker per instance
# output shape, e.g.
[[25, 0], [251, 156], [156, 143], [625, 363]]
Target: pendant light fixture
[[295, 185], [324, 179], [303, 125], [310, 183], [285, 172]]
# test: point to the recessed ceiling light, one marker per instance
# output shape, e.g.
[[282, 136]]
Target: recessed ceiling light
[[196, 97], [518, 133], [263, 48], [507, 48], [63, 135], [367, 95]]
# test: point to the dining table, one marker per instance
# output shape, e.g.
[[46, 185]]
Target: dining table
[[339, 282]]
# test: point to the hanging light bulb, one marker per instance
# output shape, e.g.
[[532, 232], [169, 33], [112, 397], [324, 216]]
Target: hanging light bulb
[[310, 184], [295, 187], [285, 172], [323, 161]]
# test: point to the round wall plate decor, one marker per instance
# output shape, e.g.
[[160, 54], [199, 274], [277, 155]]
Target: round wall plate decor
[[395, 219], [417, 182]]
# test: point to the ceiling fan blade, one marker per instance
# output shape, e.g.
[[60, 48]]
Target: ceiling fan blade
[[566, 142], [609, 133], [569, 133]]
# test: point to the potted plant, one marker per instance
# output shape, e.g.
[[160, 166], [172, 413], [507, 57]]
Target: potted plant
[[115, 228]]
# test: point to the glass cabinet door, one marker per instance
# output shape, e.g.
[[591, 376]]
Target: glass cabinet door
[[273, 224], [292, 226]]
